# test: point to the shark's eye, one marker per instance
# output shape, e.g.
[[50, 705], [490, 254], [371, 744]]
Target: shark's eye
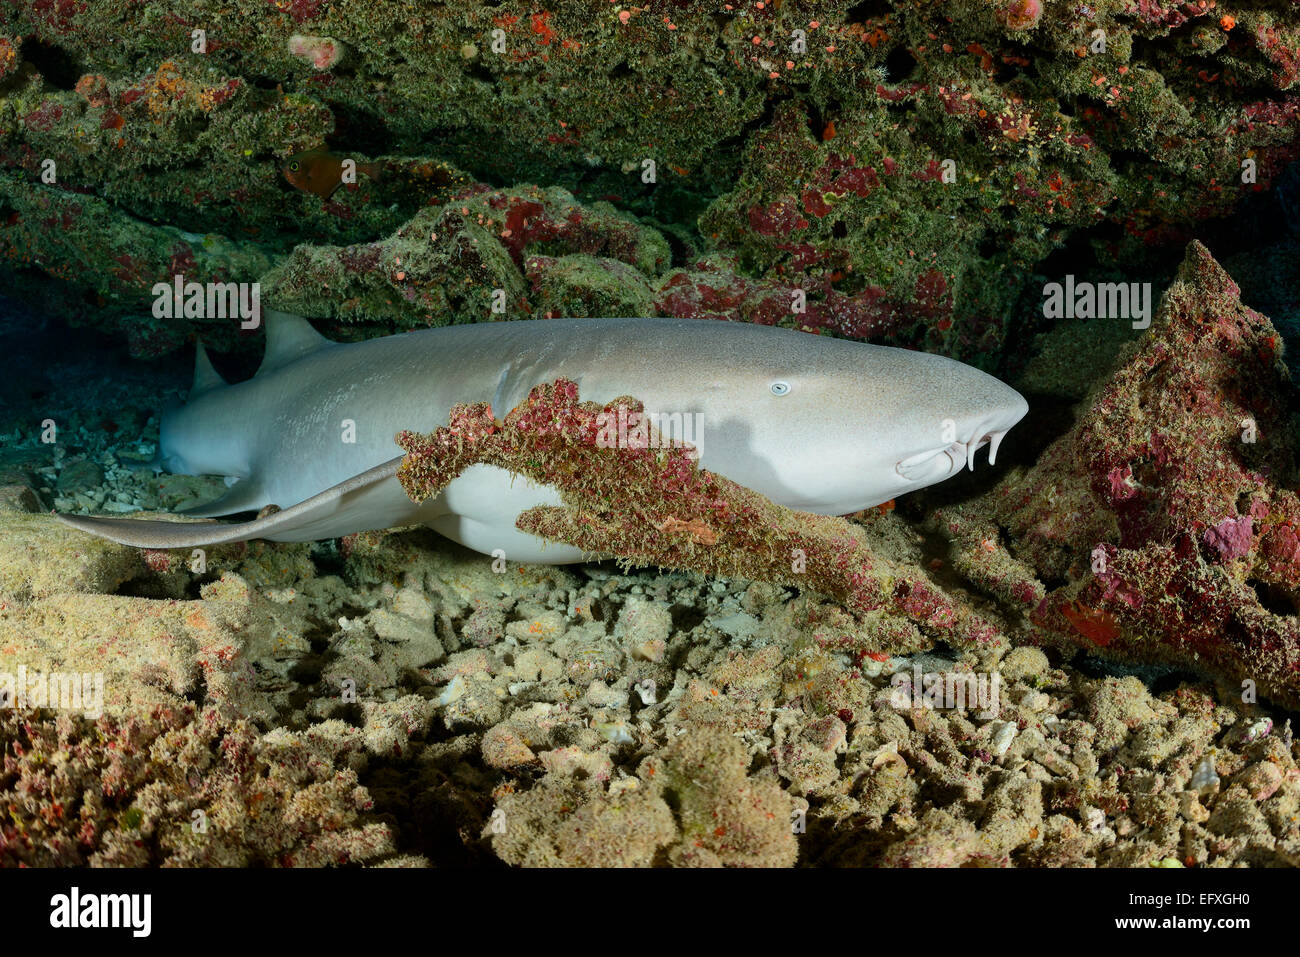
[[780, 388]]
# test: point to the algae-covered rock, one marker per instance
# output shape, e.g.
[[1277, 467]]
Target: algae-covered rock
[[575, 825], [153, 651], [903, 168], [579, 285], [115, 259], [181, 787], [39, 557], [733, 818], [480, 257], [1168, 508]]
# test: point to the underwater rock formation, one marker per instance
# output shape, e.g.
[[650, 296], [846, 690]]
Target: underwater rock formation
[[468, 261], [113, 260], [179, 787], [1167, 513], [899, 169]]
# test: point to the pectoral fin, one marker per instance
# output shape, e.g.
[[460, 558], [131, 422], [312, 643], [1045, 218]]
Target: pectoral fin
[[359, 503], [246, 495]]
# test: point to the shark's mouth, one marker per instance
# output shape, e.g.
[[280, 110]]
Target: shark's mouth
[[936, 464]]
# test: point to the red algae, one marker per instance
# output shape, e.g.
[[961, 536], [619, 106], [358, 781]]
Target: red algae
[[1168, 507]]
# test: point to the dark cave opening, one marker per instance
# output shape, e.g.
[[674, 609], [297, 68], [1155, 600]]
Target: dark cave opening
[[900, 64], [52, 62]]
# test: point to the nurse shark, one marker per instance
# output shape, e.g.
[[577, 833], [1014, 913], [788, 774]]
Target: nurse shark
[[814, 423]]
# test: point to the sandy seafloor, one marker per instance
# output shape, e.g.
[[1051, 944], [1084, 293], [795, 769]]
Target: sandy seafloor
[[576, 715]]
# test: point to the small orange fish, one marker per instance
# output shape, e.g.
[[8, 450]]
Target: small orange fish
[[1095, 624], [321, 172]]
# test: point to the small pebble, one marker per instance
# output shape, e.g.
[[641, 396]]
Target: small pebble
[[1002, 738], [1204, 780]]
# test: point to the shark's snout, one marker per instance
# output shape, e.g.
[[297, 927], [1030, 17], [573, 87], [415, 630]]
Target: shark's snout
[[1010, 411], [969, 435]]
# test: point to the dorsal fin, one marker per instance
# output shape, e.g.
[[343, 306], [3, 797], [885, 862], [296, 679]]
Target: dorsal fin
[[288, 337], [206, 377]]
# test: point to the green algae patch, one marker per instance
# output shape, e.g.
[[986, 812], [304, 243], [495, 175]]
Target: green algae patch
[[581, 285]]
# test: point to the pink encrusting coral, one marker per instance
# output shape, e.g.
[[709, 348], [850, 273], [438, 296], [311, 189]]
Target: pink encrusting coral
[[1168, 509], [182, 787], [648, 505], [1232, 538], [321, 52]]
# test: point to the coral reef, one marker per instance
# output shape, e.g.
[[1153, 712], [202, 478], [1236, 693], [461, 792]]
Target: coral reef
[[894, 170], [177, 787], [1167, 513], [901, 171], [552, 716], [114, 261], [540, 249]]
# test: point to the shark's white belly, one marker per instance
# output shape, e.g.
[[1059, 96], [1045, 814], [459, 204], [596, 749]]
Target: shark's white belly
[[478, 509], [481, 506]]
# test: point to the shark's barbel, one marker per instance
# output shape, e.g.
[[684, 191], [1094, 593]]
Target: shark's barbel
[[814, 423]]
